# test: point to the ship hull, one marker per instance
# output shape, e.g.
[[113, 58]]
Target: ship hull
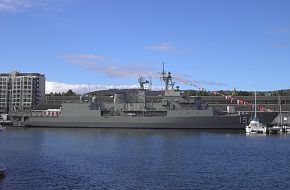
[[204, 122]]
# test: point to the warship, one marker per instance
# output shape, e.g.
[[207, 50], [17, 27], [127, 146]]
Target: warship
[[173, 109]]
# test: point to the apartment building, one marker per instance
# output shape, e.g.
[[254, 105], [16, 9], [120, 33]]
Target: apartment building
[[21, 91]]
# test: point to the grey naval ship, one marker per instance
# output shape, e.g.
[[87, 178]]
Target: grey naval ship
[[173, 109]]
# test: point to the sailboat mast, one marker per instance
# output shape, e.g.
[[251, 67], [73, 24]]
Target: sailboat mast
[[255, 104], [280, 109]]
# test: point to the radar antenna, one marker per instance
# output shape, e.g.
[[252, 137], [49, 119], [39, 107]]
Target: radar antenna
[[142, 81]]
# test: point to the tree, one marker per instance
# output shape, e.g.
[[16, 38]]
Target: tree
[[70, 93]]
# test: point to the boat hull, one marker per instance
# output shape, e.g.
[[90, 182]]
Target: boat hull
[[203, 122]]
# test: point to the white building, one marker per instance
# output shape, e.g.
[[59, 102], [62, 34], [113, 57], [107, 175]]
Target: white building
[[21, 91]]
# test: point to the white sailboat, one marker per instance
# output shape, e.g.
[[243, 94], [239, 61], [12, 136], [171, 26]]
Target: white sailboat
[[255, 126], [281, 126]]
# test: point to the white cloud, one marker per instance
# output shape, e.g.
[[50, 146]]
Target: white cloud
[[9, 5], [167, 46], [107, 66], [85, 88], [15, 5]]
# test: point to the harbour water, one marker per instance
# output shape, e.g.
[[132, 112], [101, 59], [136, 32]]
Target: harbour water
[[46, 159]]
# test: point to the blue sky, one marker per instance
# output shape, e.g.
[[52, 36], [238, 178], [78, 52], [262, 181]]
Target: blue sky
[[216, 44]]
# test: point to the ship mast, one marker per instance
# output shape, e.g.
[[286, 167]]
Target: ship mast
[[167, 78]]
